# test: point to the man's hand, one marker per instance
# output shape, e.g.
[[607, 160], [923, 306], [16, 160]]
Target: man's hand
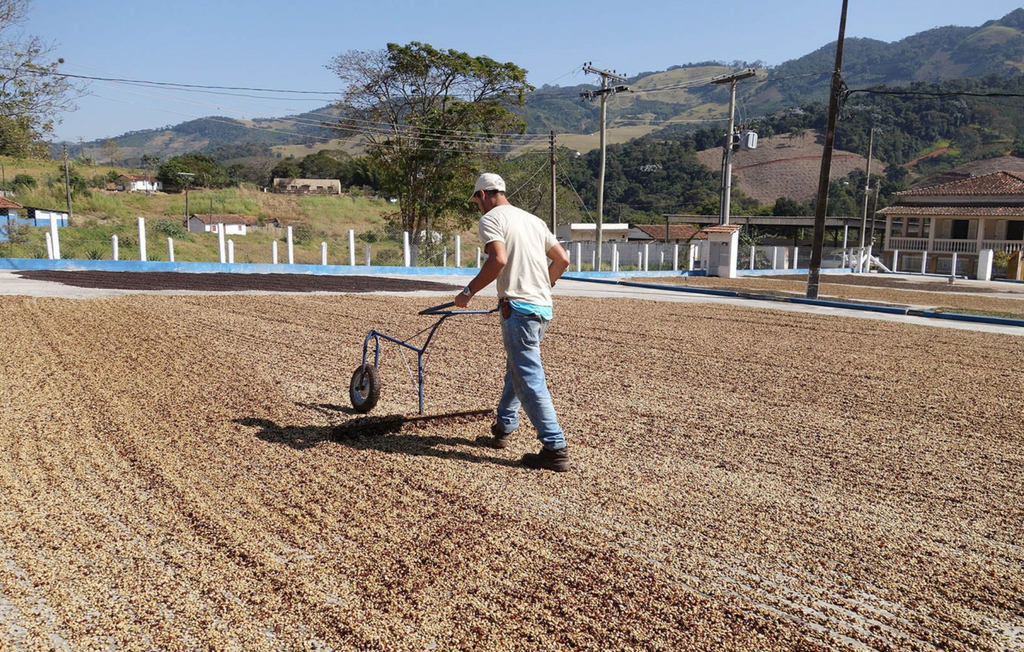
[[462, 300]]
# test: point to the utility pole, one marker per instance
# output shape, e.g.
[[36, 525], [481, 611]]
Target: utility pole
[[867, 188], [814, 274], [603, 94], [67, 182], [554, 161], [188, 182], [726, 202]]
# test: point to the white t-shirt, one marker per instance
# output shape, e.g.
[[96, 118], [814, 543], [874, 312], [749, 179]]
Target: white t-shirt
[[527, 241]]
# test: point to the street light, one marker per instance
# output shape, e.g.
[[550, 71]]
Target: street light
[[188, 182]]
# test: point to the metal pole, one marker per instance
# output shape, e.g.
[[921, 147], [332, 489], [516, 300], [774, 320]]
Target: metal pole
[[600, 177], [867, 188], [727, 172], [814, 273], [67, 183], [554, 161], [604, 92]]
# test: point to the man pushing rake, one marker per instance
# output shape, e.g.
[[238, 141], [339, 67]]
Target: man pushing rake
[[519, 246]]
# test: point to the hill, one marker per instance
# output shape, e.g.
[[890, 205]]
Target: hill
[[786, 165], [656, 100]]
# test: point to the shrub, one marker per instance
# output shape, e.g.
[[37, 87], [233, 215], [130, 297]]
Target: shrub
[[171, 230], [24, 181]]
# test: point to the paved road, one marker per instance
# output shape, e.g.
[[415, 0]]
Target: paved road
[[11, 284]]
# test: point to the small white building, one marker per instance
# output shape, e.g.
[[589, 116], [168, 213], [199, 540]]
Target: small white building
[[138, 183], [234, 224], [587, 232]]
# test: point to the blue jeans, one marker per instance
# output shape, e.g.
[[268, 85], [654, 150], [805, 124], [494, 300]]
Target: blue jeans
[[525, 385]]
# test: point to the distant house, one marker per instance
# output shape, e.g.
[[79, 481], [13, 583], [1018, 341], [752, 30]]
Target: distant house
[[673, 234], [931, 225], [234, 224], [307, 186], [587, 232], [137, 183], [34, 217]]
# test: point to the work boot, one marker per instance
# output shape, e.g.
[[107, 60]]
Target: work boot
[[500, 437], [548, 459]]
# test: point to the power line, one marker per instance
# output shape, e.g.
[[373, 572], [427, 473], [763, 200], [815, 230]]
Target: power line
[[874, 91], [167, 84]]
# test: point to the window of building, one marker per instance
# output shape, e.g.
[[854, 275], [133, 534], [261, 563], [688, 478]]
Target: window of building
[[960, 229]]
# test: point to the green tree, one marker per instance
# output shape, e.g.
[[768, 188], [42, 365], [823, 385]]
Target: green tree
[[24, 181], [434, 114], [208, 173], [286, 168], [32, 96]]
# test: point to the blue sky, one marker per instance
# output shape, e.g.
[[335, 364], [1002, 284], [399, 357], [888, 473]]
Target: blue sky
[[280, 45]]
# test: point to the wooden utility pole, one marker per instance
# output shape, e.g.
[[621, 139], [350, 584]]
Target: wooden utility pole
[[726, 198], [814, 274], [603, 94], [554, 161], [67, 182]]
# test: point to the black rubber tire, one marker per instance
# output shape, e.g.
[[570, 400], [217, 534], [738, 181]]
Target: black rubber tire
[[364, 388]]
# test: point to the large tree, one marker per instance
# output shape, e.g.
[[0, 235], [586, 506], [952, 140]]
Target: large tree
[[32, 93], [428, 116]]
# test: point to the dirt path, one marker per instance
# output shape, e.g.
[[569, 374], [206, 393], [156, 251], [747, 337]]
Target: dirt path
[[183, 473]]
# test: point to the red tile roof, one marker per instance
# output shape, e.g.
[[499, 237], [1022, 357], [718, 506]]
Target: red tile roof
[[224, 218], [675, 231], [7, 203], [955, 211], [996, 183], [723, 228]]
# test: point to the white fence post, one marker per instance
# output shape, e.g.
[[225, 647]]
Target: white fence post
[[579, 257], [985, 259], [170, 249], [444, 257], [406, 260], [291, 247], [895, 260], [796, 257], [647, 256], [690, 255], [323, 253], [367, 254], [55, 237], [231, 252], [352, 247], [49, 246], [142, 239], [221, 245], [753, 255], [273, 252], [478, 252], [924, 262], [593, 259], [615, 256], [661, 260], [675, 258], [114, 247], [953, 271], [458, 251]]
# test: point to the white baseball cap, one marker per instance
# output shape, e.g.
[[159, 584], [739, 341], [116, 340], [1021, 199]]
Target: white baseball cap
[[488, 181]]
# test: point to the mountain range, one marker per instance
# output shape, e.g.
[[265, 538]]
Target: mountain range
[[655, 101]]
